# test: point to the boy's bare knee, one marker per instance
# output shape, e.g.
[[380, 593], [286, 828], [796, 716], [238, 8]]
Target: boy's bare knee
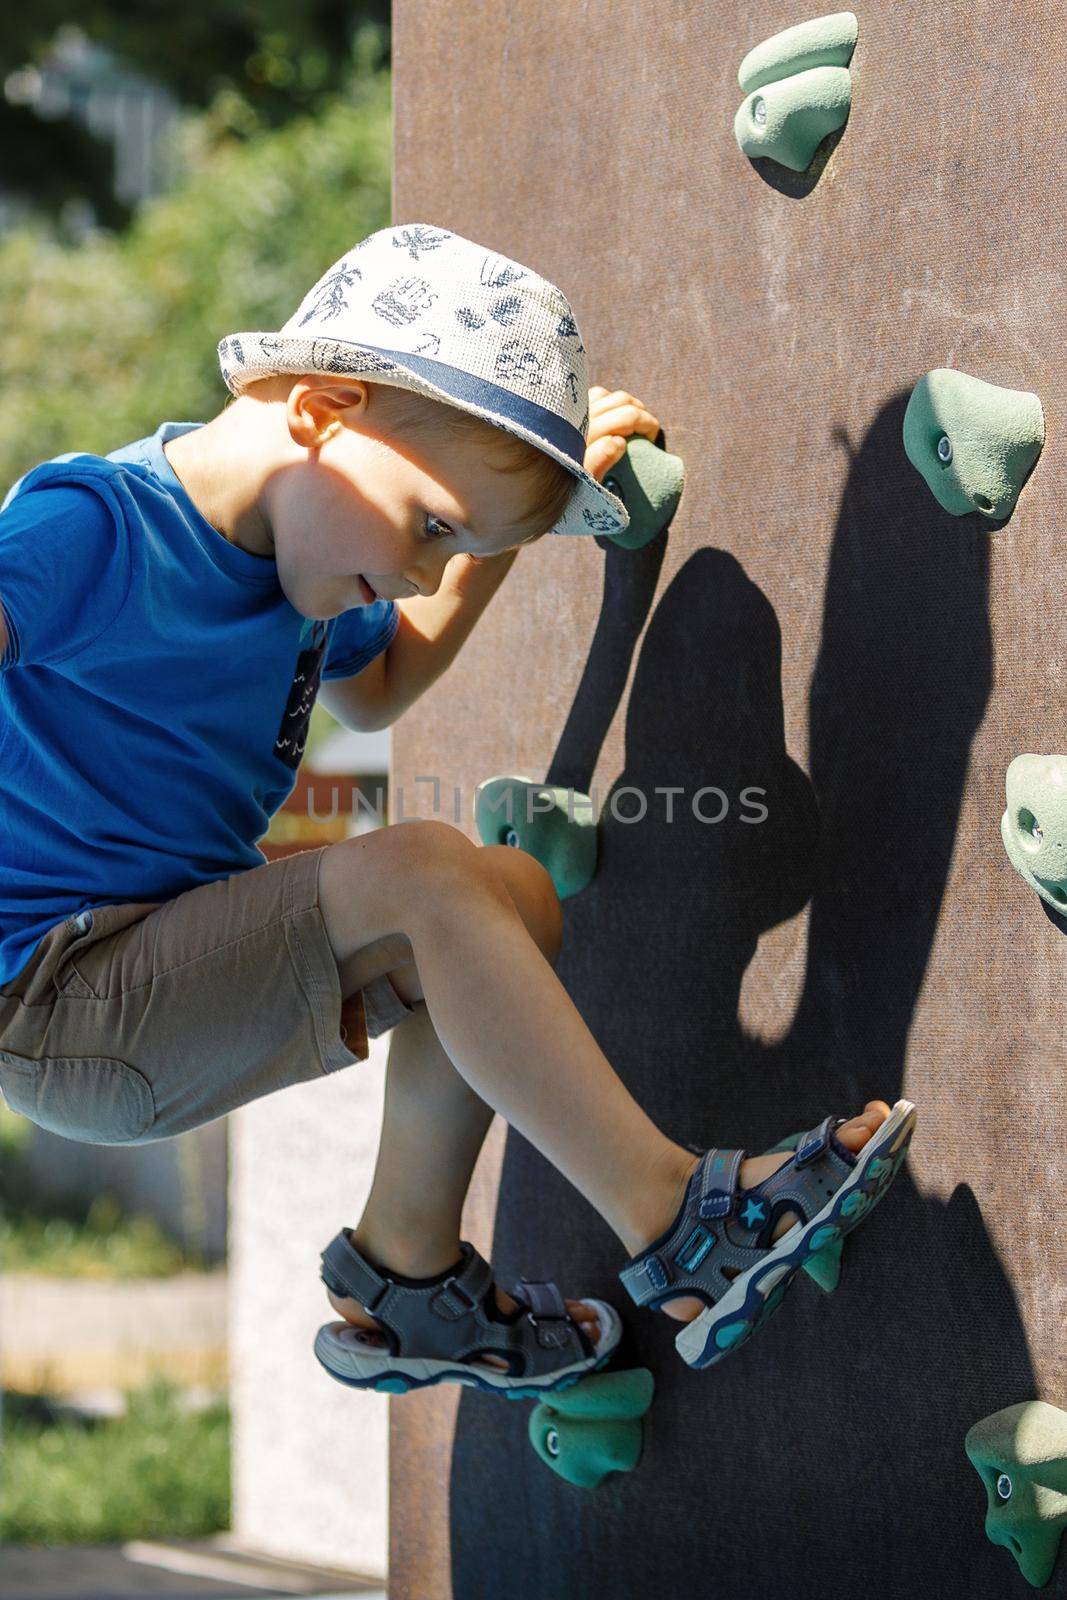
[[388, 881], [533, 893], [379, 883]]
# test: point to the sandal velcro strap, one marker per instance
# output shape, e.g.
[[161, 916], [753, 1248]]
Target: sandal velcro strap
[[547, 1312], [644, 1278], [347, 1273], [813, 1143], [464, 1291], [718, 1182]]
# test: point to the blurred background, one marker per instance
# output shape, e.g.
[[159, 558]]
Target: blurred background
[[169, 174]]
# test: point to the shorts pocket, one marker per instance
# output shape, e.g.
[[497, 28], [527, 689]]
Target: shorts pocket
[[91, 1098]]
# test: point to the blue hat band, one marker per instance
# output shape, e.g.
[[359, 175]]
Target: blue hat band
[[547, 425]]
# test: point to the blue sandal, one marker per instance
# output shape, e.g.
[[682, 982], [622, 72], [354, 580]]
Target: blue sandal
[[721, 1227], [437, 1329]]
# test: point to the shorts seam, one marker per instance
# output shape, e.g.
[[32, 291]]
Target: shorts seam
[[309, 983], [301, 958], [204, 955]]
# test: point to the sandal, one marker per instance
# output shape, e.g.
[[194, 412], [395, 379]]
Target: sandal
[[721, 1230], [436, 1329]]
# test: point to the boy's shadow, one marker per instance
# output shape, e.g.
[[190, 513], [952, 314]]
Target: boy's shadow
[[825, 1457]]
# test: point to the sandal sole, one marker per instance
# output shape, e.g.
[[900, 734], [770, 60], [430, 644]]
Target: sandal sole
[[428, 1374], [756, 1295]]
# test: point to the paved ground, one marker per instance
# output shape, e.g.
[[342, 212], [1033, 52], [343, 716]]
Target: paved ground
[[199, 1570]]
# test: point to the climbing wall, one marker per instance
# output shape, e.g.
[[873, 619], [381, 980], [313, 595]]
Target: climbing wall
[[814, 624]]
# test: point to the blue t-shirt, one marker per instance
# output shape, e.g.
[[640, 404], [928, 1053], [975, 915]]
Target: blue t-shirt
[[155, 690]]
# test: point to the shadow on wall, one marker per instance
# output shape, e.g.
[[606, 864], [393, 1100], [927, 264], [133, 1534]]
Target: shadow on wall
[[829, 1452]]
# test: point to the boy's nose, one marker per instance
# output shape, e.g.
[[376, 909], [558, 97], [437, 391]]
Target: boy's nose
[[426, 577]]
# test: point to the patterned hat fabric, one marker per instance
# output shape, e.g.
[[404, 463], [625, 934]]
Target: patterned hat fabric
[[425, 309]]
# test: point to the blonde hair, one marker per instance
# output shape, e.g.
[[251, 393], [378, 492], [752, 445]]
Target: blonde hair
[[417, 416]]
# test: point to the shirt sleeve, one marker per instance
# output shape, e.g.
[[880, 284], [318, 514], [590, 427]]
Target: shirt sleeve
[[358, 636], [64, 571]]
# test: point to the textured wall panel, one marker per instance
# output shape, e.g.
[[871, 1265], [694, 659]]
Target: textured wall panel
[[816, 625]]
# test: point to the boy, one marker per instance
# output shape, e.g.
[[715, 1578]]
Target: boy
[[169, 614]]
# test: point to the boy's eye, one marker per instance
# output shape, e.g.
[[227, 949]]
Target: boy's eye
[[438, 525]]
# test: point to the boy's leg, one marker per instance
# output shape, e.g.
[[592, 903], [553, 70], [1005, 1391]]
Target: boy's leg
[[508, 1025], [434, 1124]]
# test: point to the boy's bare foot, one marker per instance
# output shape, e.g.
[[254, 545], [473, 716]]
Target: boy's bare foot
[[853, 1135]]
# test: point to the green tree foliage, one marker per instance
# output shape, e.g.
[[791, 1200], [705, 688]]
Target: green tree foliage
[[105, 340], [258, 63], [279, 55]]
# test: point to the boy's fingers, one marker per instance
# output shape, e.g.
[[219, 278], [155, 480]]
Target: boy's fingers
[[603, 454], [626, 419]]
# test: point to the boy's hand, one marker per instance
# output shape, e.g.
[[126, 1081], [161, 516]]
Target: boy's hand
[[613, 416]]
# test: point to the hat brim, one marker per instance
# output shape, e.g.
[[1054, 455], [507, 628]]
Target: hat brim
[[246, 358]]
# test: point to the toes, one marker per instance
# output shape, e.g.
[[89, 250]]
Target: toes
[[855, 1133], [586, 1317]]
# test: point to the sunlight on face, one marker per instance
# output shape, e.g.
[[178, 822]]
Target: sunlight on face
[[390, 513]]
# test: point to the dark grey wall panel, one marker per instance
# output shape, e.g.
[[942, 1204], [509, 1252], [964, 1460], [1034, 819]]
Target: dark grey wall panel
[[814, 624]]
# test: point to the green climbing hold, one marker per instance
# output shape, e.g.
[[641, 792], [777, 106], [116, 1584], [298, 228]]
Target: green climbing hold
[[974, 443], [649, 483], [593, 1428], [554, 825], [798, 89], [1034, 825], [788, 121], [823, 1236], [824, 1266], [822, 42], [1020, 1454]]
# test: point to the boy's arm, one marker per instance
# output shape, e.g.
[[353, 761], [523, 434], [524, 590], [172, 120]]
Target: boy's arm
[[432, 628]]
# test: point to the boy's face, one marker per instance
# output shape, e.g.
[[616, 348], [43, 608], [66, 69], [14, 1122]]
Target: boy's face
[[362, 518]]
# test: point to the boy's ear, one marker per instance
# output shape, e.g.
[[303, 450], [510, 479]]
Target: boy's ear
[[316, 409]]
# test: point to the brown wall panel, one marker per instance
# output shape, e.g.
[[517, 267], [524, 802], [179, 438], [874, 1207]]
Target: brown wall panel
[[816, 624]]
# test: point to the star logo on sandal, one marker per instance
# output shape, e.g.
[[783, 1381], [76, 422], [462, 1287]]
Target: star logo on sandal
[[755, 1211]]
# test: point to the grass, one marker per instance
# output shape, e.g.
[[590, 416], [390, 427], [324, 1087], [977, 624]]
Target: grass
[[100, 1243], [160, 1471]]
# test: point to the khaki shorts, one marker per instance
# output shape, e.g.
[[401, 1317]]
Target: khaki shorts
[[138, 1021]]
